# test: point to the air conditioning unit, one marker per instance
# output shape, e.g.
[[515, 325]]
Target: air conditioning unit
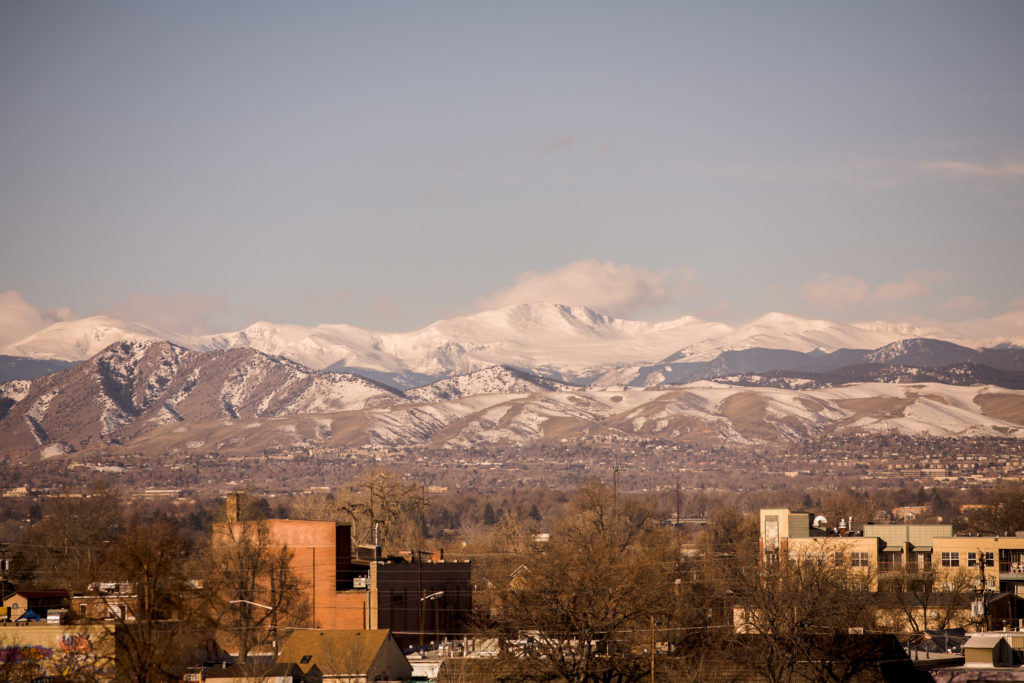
[[359, 582]]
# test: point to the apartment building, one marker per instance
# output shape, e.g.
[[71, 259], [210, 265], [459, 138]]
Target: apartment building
[[887, 549]]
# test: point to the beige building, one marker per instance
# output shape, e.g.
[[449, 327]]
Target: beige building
[[889, 549]]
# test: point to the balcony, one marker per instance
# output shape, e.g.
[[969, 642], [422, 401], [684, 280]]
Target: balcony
[[1012, 567], [899, 567]]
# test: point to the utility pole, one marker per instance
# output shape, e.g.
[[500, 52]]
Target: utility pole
[[679, 504], [615, 490], [981, 590], [652, 649], [5, 566]]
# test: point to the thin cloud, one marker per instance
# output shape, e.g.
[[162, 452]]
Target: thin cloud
[[1011, 169], [555, 145], [886, 173], [435, 195], [19, 318], [607, 287], [839, 291], [384, 307], [918, 284], [964, 304], [836, 291], [179, 313]]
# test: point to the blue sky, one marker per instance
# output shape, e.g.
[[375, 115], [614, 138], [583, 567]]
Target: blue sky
[[202, 165]]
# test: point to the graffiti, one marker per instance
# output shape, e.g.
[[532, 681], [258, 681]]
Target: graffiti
[[73, 657], [18, 654], [75, 643]]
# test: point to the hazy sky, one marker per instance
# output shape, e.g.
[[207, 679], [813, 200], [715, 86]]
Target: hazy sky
[[200, 165]]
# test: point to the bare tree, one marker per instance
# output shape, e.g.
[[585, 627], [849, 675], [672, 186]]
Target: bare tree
[[382, 499], [580, 607], [795, 616], [1003, 512], [925, 598], [155, 623], [252, 589], [68, 543]]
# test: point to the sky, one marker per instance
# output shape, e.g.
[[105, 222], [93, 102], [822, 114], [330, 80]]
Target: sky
[[199, 166]]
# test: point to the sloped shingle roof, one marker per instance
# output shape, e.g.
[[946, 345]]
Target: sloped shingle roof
[[335, 651]]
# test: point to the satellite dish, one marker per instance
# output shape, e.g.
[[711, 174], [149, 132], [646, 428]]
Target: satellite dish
[[819, 521]]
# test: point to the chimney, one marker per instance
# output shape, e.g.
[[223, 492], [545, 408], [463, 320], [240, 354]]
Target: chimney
[[231, 507]]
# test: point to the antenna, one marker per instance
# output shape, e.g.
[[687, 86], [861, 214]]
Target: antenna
[[615, 489]]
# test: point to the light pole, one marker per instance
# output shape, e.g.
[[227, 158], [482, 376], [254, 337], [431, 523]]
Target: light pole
[[273, 619], [437, 626]]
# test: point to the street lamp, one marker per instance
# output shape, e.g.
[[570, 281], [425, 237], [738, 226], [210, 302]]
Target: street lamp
[[250, 602], [437, 622]]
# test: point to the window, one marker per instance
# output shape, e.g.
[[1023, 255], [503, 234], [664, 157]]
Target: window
[[859, 559], [305, 659], [988, 558], [951, 559]]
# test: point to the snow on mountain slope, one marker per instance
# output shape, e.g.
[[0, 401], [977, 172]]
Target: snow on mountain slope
[[494, 380], [315, 347], [133, 387], [788, 332], [923, 352], [549, 339], [572, 344], [700, 412], [76, 340], [163, 398]]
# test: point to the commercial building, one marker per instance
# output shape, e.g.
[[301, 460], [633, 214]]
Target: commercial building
[[351, 586], [889, 549]]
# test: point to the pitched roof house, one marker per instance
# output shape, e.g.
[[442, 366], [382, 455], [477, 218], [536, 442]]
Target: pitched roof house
[[348, 656]]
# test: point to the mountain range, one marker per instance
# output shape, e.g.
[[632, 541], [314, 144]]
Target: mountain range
[[155, 397], [565, 343]]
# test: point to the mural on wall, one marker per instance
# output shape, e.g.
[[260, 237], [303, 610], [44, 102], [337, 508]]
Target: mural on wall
[[74, 654]]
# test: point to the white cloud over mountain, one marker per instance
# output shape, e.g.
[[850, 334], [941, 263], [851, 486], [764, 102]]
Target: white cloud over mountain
[[839, 291], [615, 289], [19, 318], [178, 312]]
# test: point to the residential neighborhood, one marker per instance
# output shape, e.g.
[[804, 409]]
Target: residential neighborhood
[[610, 592]]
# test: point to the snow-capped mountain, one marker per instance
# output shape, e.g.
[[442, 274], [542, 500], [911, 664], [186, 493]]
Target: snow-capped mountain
[[572, 344], [498, 379], [76, 340], [155, 397], [792, 333], [132, 387]]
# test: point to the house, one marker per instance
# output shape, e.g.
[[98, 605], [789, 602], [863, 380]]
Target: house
[[39, 602], [987, 649], [106, 601], [259, 672], [348, 656]]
